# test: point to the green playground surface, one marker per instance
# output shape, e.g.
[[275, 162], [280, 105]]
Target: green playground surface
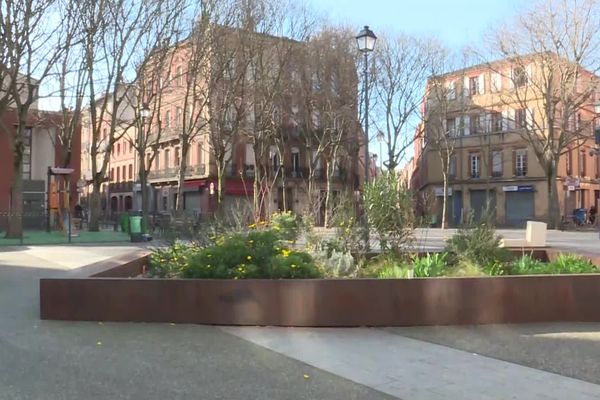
[[59, 237]]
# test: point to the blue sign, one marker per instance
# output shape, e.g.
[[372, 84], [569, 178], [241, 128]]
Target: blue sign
[[525, 188]]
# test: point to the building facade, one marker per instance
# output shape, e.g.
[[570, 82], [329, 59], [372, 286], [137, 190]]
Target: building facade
[[474, 131]]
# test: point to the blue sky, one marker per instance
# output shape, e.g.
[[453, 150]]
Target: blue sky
[[455, 22]]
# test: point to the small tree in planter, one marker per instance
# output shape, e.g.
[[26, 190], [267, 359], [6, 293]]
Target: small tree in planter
[[390, 211]]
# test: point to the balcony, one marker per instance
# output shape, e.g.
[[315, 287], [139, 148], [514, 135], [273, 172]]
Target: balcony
[[237, 171], [120, 187], [298, 173], [173, 173]]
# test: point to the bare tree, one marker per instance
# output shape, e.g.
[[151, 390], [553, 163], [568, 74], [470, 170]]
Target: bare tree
[[552, 57], [30, 44], [401, 65], [114, 32]]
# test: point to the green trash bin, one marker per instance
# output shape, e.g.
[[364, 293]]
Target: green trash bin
[[135, 228], [124, 222]]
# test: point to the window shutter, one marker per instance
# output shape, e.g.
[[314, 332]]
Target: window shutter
[[511, 82], [504, 120], [481, 84], [496, 82], [529, 118], [466, 86], [466, 125], [514, 162], [444, 125], [529, 70], [451, 90], [488, 123], [511, 119]]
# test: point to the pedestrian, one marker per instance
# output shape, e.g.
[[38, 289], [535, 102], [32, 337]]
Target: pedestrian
[[593, 212]]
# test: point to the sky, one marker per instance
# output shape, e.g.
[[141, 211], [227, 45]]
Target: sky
[[456, 22]]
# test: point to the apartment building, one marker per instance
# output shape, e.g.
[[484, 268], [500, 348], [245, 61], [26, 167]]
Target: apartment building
[[288, 161], [476, 118], [42, 150]]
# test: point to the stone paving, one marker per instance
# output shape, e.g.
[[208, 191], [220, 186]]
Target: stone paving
[[412, 369]]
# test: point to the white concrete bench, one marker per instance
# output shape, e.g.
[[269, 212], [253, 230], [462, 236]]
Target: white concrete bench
[[535, 236]]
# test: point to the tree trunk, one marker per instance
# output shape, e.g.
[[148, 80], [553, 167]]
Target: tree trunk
[[553, 207], [220, 188], [328, 195], [94, 225], [15, 219], [181, 179], [444, 201]]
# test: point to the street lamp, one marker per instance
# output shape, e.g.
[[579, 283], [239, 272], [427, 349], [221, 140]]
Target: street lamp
[[365, 41]]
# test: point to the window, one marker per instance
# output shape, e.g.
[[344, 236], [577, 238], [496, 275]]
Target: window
[[497, 125], [451, 126], [177, 157], [451, 93], [123, 173], [521, 162], [496, 82], [452, 167], [569, 162], [112, 174], [582, 162], [118, 148], [130, 147], [178, 116], [519, 75], [473, 85], [168, 119], [520, 118], [476, 125], [295, 160], [118, 174], [130, 172], [274, 155], [167, 159], [27, 153], [496, 164], [157, 160], [475, 164], [199, 154], [179, 76]]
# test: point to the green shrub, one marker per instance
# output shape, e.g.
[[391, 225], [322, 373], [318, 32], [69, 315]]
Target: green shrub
[[393, 272], [390, 211], [527, 265], [433, 264], [571, 264], [385, 263], [171, 261], [286, 225], [466, 268], [336, 264], [477, 243], [258, 255]]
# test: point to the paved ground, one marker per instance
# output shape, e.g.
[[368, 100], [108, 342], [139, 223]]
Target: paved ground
[[575, 241], [78, 360], [567, 349], [414, 370]]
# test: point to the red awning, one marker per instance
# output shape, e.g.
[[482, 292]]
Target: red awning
[[238, 187], [195, 183]]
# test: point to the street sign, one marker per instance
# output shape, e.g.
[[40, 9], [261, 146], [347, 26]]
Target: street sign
[[571, 188], [439, 191], [510, 188]]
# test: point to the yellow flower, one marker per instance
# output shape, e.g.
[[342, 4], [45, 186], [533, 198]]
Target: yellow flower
[[252, 226], [250, 241], [276, 228], [209, 255], [285, 252], [249, 258], [293, 265]]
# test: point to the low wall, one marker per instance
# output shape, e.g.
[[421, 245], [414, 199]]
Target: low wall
[[322, 302]]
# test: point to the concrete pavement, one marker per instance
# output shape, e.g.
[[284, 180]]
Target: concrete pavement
[[54, 360], [414, 370]]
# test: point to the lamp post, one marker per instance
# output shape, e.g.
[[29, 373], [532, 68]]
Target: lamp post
[[365, 41], [144, 114]]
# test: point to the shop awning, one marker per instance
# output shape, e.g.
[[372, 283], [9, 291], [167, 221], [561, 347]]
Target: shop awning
[[195, 183]]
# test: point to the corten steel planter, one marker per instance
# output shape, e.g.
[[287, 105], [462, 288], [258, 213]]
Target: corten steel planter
[[322, 302]]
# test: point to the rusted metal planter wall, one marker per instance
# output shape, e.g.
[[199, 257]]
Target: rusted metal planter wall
[[356, 302]]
